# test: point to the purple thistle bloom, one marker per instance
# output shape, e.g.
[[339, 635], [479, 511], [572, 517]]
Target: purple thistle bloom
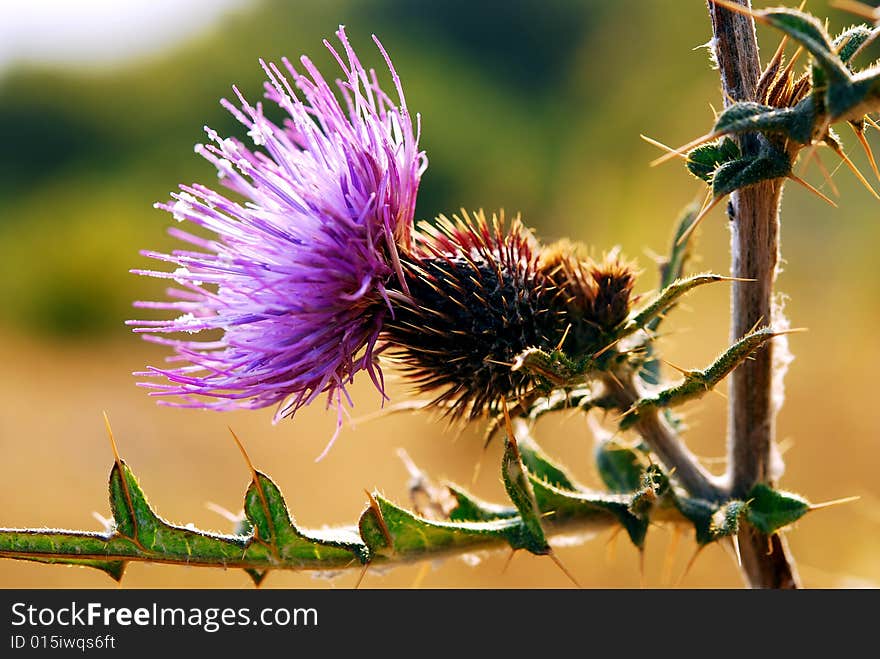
[[293, 284]]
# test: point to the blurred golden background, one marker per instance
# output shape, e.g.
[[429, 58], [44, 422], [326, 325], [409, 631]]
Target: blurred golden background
[[531, 105]]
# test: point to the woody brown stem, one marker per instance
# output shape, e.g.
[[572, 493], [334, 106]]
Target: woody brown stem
[[754, 222]]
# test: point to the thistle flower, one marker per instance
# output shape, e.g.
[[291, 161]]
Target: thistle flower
[[295, 280], [320, 269]]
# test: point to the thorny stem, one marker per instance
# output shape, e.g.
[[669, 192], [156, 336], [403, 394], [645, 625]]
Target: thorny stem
[[754, 223], [664, 441]]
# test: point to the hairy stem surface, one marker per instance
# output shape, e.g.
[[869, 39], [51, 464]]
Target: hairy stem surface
[[664, 442], [754, 222]]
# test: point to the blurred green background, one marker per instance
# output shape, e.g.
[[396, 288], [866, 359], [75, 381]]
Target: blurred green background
[[531, 105]]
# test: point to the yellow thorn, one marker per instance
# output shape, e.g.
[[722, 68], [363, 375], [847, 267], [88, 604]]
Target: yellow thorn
[[508, 561], [698, 219], [685, 372], [611, 545], [784, 445], [244, 454], [855, 170], [666, 148], [719, 393], [420, 577], [693, 559], [827, 176], [616, 379], [606, 348], [555, 559], [807, 158], [780, 49], [682, 150], [361, 576], [755, 326], [112, 440], [822, 133], [564, 336], [493, 361], [792, 330], [745, 279], [706, 199], [477, 466], [867, 147], [643, 583], [508, 426], [802, 182], [669, 559], [407, 406], [739, 9], [228, 515], [794, 58], [835, 502], [383, 526], [621, 417]]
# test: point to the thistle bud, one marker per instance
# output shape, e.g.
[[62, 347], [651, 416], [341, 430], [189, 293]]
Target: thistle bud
[[477, 299], [598, 295], [481, 294]]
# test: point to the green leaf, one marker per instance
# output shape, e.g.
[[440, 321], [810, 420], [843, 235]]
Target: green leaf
[[273, 528], [771, 163], [113, 568], [620, 467], [850, 41], [847, 97], [697, 382], [140, 527], [663, 301], [795, 123], [770, 510], [581, 398], [473, 509], [589, 507], [519, 489], [679, 251], [854, 100], [541, 466], [671, 268], [808, 31], [700, 513], [385, 533], [140, 534], [705, 159], [257, 576], [395, 534]]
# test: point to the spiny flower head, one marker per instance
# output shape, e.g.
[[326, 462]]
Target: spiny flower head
[[597, 294], [477, 300], [292, 287], [482, 292]]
